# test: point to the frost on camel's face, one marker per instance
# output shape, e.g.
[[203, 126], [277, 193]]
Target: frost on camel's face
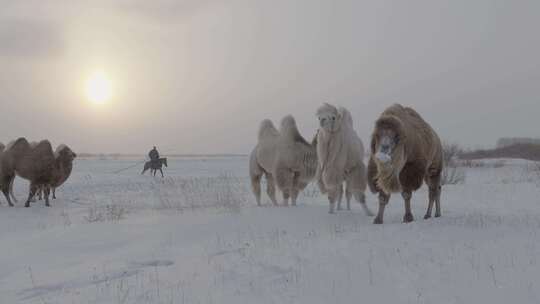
[[386, 142], [329, 120]]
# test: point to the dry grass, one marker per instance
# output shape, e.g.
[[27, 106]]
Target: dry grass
[[452, 173], [224, 192], [107, 213]]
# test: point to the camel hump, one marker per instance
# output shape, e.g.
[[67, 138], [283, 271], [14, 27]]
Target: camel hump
[[346, 116], [289, 130], [43, 147], [19, 142], [267, 129]]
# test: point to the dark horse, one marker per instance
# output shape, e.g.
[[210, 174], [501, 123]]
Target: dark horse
[[155, 165]]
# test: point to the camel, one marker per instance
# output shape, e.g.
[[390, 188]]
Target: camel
[[405, 151], [286, 160], [35, 164], [2, 147], [64, 157], [340, 158]]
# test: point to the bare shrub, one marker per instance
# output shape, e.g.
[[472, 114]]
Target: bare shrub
[[106, 213], [452, 173], [469, 163]]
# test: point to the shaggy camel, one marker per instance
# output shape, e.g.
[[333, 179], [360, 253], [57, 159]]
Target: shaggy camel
[[64, 157], [405, 151], [34, 164], [2, 147], [285, 158], [340, 158]]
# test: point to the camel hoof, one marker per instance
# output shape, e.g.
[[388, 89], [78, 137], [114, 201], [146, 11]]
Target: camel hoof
[[437, 215], [377, 221], [427, 216], [26, 205], [407, 218]]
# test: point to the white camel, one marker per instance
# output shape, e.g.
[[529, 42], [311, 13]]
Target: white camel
[[285, 158], [340, 153]]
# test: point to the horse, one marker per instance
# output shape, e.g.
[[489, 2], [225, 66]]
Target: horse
[[155, 165]]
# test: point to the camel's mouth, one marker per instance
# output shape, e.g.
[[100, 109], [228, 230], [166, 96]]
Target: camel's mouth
[[383, 157]]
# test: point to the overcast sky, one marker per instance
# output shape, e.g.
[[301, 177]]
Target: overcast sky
[[197, 76]]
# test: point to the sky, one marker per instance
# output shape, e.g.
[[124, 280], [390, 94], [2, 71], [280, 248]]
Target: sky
[[198, 76]]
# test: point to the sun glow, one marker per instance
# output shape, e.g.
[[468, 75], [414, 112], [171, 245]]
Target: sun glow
[[98, 88]]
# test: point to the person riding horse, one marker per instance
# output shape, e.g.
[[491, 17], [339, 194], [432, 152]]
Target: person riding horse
[[155, 162], [154, 155]]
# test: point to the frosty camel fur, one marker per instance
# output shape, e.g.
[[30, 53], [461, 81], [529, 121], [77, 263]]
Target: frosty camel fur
[[340, 157], [405, 151], [285, 158], [34, 164]]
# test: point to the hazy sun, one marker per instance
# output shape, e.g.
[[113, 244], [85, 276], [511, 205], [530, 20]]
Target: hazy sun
[[98, 88]]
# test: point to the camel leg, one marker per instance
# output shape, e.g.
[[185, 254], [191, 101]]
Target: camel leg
[[161, 172], [11, 190], [5, 185], [408, 217], [361, 198], [348, 197], [54, 193], [31, 193], [432, 195], [256, 187], [46, 193], [295, 189], [294, 196], [383, 201], [433, 182], [5, 190], [339, 197], [286, 196], [438, 202], [271, 188], [332, 197]]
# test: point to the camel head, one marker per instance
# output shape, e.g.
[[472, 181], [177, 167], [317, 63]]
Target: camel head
[[64, 153], [386, 141], [388, 152], [329, 118]]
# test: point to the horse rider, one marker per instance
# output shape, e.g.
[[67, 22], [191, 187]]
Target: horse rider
[[154, 155]]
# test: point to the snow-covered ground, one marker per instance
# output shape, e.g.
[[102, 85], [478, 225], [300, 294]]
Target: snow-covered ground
[[197, 237]]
